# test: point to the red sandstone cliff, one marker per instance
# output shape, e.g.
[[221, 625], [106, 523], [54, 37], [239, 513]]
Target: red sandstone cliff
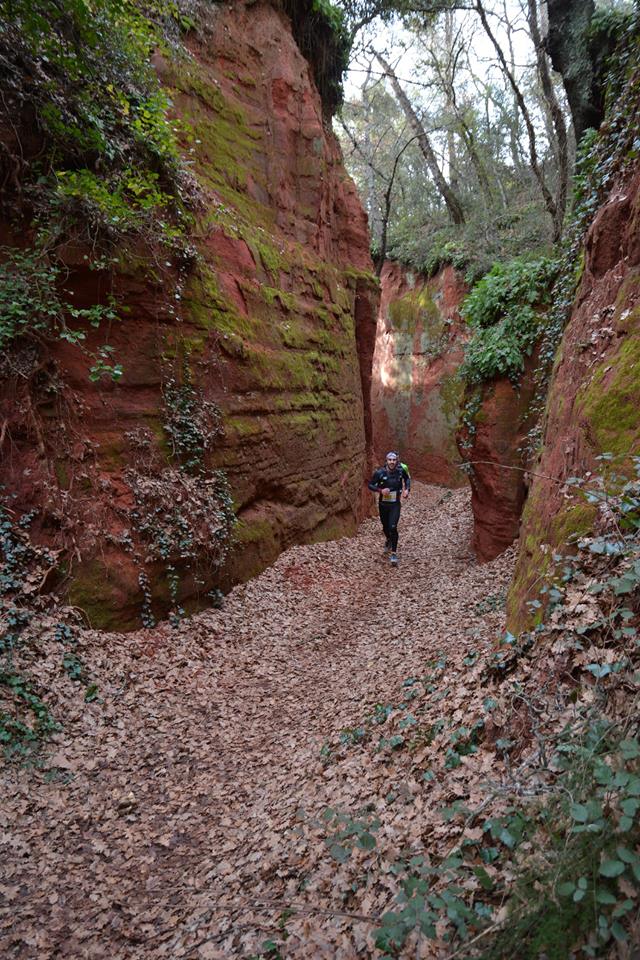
[[272, 322], [493, 446], [594, 396], [415, 394]]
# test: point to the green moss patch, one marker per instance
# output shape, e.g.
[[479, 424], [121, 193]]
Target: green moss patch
[[209, 309], [417, 310], [93, 591], [535, 564], [253, 531], [610, 402]]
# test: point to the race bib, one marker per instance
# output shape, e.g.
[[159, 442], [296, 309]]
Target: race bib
[[390, 497]]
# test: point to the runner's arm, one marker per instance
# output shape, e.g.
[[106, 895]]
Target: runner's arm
[[374, 483]]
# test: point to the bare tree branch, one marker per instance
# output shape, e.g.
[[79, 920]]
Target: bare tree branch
[[549, 202], [451, 200]]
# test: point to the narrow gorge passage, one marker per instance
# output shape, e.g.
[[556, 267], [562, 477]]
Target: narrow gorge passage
[[178, 816]]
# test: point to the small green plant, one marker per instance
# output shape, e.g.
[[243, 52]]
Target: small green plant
[[191, 423], [24, 565], [464, 742], [104, 367], [25, 719], [28, 722], [468, 415], [129, 204], [506, 311], [445, 253], [433, 894], [491, 603], [32, 302], [349, 832], [407, 731]]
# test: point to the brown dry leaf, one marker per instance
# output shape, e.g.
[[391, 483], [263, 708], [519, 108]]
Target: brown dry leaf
[[185, 810]]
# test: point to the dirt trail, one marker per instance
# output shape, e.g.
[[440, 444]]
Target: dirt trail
[[178, 816]]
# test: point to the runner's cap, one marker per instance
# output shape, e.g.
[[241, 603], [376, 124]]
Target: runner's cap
[[392, 455]]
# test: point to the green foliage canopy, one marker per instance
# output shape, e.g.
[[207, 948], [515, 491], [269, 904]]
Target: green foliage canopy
[[92, 111], [89, 151]]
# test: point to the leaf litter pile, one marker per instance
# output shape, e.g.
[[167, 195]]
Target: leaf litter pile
[[335, 764]]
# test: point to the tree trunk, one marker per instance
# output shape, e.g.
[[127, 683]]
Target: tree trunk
[[514, 127], [449, 82], [451, 200], [382, 252], [557, 116], [568, 44], [549, 202]]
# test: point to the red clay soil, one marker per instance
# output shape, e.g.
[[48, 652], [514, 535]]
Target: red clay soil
[[178, 815]]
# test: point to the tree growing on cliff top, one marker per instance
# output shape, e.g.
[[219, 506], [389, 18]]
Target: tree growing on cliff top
[[491, 118], [487, 134]]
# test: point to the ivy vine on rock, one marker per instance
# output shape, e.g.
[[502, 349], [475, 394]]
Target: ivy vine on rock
[[191, 423], [183, 514], [32, 301]]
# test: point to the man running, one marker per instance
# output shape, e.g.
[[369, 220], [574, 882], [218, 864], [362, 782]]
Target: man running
[[388, 482]]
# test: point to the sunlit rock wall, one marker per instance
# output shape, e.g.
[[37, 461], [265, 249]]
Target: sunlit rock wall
[[415, 394]]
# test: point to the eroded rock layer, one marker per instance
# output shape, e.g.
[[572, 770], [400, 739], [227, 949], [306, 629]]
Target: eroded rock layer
[[415, 394], [492, 444], [272, 321], [594, 396]]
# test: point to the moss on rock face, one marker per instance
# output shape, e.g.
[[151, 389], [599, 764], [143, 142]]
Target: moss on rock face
[[610, 402], [333, 529], [452, 390], [295, 353], [95, 591], [256, 544], [539, 542], [61, 468], [253, 531], [207, 308], [244, 428], [417, 308], [287, 300]]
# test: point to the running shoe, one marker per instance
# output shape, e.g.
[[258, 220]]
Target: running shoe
[[394, 559]]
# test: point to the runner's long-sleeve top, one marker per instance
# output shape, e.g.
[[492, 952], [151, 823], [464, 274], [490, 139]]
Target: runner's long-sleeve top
[[391, 480]]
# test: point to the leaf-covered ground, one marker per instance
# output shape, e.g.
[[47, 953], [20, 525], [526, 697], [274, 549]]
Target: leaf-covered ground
[[184, 812]]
